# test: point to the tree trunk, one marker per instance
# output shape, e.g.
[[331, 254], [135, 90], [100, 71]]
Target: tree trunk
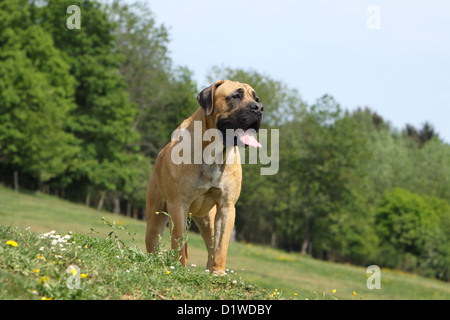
[[129, 209], [88, 197], [233, 235], [273, 240], [116, 205], [102, 199], [305, 243], [16, 181]]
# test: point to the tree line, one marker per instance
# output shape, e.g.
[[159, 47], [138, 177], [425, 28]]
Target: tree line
[[84, 112]]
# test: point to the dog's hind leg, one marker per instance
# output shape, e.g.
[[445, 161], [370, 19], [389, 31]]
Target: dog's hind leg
[[156, 217]]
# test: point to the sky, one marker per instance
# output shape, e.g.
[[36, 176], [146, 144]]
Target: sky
[[392, 56]]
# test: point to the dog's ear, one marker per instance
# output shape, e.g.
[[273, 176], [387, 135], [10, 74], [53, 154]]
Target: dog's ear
[[206, 97]]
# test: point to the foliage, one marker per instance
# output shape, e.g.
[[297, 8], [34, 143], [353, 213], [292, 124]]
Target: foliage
[[36, 93], [163, 95], [103, 115], [415, 231]]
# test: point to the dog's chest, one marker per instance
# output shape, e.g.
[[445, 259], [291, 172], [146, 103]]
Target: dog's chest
[[210, 176]]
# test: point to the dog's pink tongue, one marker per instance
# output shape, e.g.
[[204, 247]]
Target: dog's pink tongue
[[247, 138]]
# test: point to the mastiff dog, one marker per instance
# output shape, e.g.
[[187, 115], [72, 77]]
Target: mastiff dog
[[204, 185]]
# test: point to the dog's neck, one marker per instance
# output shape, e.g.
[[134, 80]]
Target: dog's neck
[[228, 155]]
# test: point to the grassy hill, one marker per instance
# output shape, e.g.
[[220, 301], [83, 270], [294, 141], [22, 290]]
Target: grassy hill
[[121, 270]]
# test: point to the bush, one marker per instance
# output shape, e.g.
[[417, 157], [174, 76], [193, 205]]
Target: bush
[[414, 233]]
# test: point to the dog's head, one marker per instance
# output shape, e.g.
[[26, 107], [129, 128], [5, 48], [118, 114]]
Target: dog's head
[[231, 105]]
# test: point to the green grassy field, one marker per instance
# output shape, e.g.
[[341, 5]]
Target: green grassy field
[[290, 275]]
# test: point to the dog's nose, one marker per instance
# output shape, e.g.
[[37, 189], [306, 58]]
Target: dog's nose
[[258, 108]]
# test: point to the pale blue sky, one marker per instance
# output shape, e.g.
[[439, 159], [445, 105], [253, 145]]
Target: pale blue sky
[[402, 70]]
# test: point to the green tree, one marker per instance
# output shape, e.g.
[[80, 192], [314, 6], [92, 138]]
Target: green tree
[[103, 116], [414, 231], [164, 95], [432, 169], [344, 232], [36, 97], [421, 136], [324, 157]]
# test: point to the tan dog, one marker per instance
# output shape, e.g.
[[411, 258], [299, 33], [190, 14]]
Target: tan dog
[[207, 191]]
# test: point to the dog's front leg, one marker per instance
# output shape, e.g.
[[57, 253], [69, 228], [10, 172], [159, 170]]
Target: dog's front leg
[[223, 225], [178, 217]]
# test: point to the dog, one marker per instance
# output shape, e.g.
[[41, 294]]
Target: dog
[[208, 192]]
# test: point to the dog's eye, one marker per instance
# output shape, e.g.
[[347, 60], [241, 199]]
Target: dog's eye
[[236, 96], [255, 97]]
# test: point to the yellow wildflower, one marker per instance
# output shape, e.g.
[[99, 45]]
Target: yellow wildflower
[[275, 293], [46, 298], [36, 270], [334, 291], [11, 243], [83, 275], [44, 279], [40, 257], [168, 272], [354, 293]]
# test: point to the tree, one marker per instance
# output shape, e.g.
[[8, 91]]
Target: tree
[[163, 95], [414, 231], [323, 159], [36, 97], [432, 169], [371, 120], [103, 117], [421, 136]]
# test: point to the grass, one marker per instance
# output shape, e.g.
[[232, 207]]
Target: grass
[[116, 266], [77, 266]]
